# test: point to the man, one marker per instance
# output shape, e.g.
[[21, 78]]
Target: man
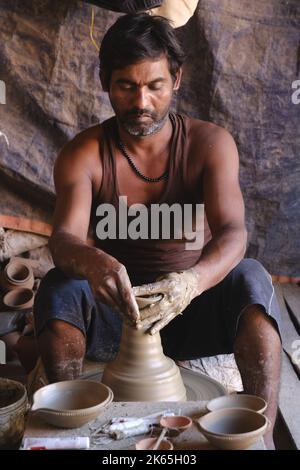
[[151, 155]]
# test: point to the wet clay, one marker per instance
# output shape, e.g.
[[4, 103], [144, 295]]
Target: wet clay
[[177, 291], [141, 371]]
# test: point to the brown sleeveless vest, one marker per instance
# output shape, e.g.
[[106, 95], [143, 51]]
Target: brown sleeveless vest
[[146, 259]]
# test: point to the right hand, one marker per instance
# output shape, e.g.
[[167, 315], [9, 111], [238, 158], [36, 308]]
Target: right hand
[[110, 283]]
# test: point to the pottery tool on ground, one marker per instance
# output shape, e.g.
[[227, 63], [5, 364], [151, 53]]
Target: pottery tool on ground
[[123, 427], [160, 438]]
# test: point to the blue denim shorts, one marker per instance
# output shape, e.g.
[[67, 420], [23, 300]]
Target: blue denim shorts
[[207, 327]]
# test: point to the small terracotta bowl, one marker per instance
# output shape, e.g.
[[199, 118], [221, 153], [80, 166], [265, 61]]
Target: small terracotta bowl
[[19, 298], [149, 443], [16, 274], [175, 424], [233, 428], [71, 403], [251, 402], [19, 273]]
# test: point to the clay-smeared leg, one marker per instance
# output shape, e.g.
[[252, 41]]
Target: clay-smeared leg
[[257, 350], [62, 349]]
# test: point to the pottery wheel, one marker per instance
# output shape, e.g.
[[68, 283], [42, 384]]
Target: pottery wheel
[[200, 386]]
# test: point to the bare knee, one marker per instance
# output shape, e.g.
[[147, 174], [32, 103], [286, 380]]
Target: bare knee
[[62, 348], [254, 320], [61, 338], [257, 333]]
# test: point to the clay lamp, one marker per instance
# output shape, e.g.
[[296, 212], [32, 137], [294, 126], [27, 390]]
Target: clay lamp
[[175, 425]]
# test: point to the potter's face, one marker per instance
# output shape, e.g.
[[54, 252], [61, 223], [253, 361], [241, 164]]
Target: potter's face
[[141, 94]]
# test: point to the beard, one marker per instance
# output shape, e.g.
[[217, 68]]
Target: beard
[[142, 122]]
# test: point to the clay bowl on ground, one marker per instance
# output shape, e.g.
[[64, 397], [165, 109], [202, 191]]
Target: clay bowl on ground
[[251, 402], [71, 403], [149, 443], [175, 424], [233, 428], [18, 274], [19, 298]]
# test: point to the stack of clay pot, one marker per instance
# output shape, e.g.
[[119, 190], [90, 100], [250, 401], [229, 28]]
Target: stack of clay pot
[[16, 282], [141, 371]]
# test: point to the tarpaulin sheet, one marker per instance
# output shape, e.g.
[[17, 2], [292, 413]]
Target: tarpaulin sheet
[[242, 60]]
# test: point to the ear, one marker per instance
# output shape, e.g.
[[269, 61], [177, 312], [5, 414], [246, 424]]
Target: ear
[[177, 79], [104, 81]]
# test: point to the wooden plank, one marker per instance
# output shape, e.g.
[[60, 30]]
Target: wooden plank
[[289, 334], [289, 395], [291, 295], [289, 400]]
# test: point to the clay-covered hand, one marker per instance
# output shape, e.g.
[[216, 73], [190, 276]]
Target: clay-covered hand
[[178, 290], [110, 282]]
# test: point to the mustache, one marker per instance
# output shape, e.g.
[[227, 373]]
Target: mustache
[[139, 113]]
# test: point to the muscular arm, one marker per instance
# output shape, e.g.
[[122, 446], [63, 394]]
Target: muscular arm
[[73, 186], [73, 174], [224, 208]]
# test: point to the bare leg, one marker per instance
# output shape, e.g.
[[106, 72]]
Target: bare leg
[[257, 352], [62, 348]]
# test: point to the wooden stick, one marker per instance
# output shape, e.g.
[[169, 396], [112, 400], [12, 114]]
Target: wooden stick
[[161, 436]]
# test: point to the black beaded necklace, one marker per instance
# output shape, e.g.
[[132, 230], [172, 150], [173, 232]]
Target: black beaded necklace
[[137, 171]]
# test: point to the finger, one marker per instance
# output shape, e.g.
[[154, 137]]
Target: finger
[[161, 324], [158, 309], [113, 291], [147, 322], [160, 287], [107, 299], [128, 299]]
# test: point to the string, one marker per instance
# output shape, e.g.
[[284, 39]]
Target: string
[[92, 30]]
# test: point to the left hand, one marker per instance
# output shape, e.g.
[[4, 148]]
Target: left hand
[[178, 290]]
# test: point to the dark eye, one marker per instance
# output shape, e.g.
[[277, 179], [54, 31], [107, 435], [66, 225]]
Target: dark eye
[[126, 86], [155, 86]]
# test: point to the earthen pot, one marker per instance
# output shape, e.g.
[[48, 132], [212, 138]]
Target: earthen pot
[[141, 371], [16, 274], [240, 400], [19, 298], [71, 403], [233, 428]]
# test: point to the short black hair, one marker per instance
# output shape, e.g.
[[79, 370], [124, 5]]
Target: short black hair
[[136, 37]]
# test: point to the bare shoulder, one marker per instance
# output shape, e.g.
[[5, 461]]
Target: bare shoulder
[[80, 157], [83, 148], [208, 138]]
